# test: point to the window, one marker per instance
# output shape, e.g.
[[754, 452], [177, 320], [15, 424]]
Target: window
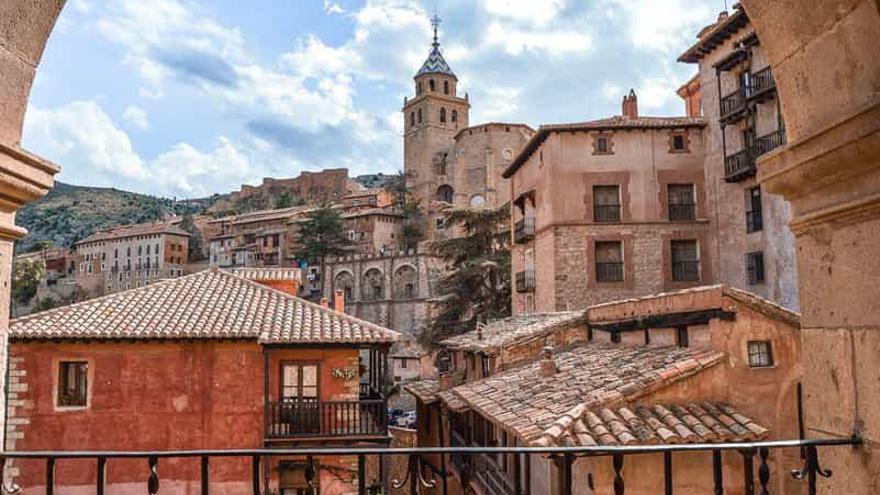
[[484, 361], [446, 87], [602, 144], [148, 249], [477, 200], [615, 337], [299, 381], [609, 261], [440, 223], [685, 261], [760, 354], [431, 85], [404, 363], [419, 88], [678, 143], [455, 116], [755, 267], [606, 203], [409, 291], [682, 339], [682, 205], [420, 116], [412, 118], [442, 115], [754, 215], [445, 193], [73, 383]]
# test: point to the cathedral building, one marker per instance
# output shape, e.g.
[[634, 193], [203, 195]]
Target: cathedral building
[[448, 161]]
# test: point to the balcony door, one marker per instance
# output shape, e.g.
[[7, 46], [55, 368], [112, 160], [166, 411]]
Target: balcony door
[[300, 392]]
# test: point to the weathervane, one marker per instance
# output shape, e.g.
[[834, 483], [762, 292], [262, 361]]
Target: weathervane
[[435, 21]]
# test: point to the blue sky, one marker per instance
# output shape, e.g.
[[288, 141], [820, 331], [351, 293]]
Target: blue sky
[[190, 97]]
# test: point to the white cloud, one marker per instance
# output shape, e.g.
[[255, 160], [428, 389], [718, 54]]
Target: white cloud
[[662, 24], [536, 12], [137, 117], [333, 8], [551, 41]]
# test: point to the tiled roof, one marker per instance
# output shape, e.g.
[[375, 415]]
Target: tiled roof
[[123, 231], [715, 35], [435, 63], [424, 390], [610, 123], [588, 376], [268, 273], [703, 422], [211, 304], [512, 330]]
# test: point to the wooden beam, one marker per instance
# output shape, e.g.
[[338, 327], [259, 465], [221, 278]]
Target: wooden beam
[[667, 320]]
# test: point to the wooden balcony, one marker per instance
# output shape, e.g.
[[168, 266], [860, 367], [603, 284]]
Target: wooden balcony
[[524, 230], [733, 106], [525, 281], [739, 166], [762, 86], [769, 142], [312, 419]]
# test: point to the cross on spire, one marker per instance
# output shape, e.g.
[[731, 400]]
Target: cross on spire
[[435, 21]]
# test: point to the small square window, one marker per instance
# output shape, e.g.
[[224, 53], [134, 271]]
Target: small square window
[[678, 143], [602, 145], [760, 354], [73, 383], [682, 338], [615, 337]]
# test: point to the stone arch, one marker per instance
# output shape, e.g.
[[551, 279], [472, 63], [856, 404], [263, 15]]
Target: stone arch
[[445, 193], [405, 282], [446, 87], [373, 285], [344, 281]]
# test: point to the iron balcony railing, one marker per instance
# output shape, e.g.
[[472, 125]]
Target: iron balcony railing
[[312, 418], [686, 271], [610, 271], [682, 212], [606, 213], [733, 105], [739, 165], [754, 221], [769, 142], [524, 229], [762, 83], [525, 281], [416, 479]]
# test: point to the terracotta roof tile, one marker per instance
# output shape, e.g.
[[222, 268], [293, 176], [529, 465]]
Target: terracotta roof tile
[[513, 330], [268, 273], [211, 304], [424, 390]]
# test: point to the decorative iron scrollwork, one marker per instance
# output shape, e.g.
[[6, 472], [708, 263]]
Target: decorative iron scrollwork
[[310, 475], [7, 485], [414, 476], [153, 481], [811, 469]]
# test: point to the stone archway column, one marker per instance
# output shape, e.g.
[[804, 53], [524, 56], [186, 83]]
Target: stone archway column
[[824, 59], [24, 177]]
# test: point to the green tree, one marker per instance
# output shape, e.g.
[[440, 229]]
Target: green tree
[[409, 207], [196, 241], [322, 235], [26, 276], [286, 200], [476, 284]]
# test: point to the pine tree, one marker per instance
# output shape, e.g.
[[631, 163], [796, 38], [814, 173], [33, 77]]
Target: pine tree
[[322, 235], [476, 285], [409, 207]]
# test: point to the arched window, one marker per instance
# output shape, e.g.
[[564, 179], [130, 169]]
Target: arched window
[[419, 88], [405, 282], [445, 193], [455, 116], [420, 116], [344, 281], [373, 286], [431, 86], [446, 87], [478, 200], [412, 118], [442, 115]]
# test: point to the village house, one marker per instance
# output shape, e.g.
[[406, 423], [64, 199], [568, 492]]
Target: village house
[[700, 365], [751, 241], [609, 209], [130, 256], [207, 361]]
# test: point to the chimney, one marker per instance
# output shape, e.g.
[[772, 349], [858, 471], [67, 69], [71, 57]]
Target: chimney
[[325, 303], [548, 366], [339, 300], [630, 105], [445, 381]]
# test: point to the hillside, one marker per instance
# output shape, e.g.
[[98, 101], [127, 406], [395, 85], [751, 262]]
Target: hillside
[[69, 213]]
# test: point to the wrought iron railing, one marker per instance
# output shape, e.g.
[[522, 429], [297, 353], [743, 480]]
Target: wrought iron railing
[[312, 418], [754, 221], [606, 213], [525, 281], [686, 271], [679, 212], [739, 165], [524, 229], [762, 82], [415, 479], [609, 271], [769, 142], [733, 103]]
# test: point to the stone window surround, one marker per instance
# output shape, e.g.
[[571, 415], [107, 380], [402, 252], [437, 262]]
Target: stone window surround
[[703, 249], [667, 177], [686, 138], [627, 246], [620, 179], [609, 139]]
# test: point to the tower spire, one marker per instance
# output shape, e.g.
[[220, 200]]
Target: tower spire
[[435, 21]]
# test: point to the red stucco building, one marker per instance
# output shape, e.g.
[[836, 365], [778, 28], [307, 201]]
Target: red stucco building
[[207, 361]]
